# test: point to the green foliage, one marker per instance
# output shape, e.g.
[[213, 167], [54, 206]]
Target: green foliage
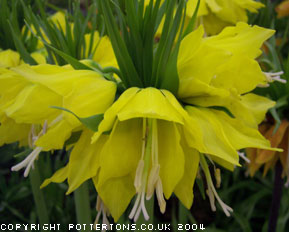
[[141, 60]]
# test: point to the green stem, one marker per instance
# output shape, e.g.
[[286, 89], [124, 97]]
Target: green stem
[[81, 199], [38, 196]]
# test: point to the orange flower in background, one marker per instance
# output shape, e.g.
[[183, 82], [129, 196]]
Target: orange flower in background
[[259, 157], [282, 9]]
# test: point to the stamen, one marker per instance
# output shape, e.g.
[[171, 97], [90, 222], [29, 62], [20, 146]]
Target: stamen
[[227, 209], [160, 196], [27, 162], [139, 207], [211, 198], [101, 210], [138, 175], [218, 177], [242, 155], [271, 77], [135, 207], [153, 178]]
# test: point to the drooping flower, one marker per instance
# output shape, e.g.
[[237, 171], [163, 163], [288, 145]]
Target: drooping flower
[[151, 140], [37, 89], [217, 14], [10, 131]]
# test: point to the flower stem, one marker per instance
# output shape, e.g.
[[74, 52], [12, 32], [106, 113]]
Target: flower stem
[[38, 196], [81, 199], [276, 199]]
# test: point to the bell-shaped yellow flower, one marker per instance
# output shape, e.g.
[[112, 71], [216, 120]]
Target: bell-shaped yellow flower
[[37, 88], [102, 50], [152, 141], [217, 14]]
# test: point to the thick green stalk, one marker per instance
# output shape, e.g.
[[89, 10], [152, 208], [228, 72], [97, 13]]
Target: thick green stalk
[[38, 196], [81, 199]]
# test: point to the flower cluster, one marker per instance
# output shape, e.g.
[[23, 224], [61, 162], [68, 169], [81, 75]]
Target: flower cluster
[[140, 137]]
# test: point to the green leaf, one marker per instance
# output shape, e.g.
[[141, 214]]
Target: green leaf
[[192, 21], [20, 46], [91, 122], [130, 77]]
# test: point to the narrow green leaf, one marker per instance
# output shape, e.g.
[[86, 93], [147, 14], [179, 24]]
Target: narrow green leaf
[[20, 47], [192, 21], [275, 115], [90, 122]]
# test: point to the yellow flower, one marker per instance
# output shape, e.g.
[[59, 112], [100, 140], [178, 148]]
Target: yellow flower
[[57, 18], [102, 50], [152, 141], [11, 131], [217, 14], [37, 88], [10, 58]]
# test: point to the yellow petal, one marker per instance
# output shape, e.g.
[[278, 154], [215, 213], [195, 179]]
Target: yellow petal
[[61, 80], [11, 84], [103, 51], [250, 108], [84, 160], [239, 134], [171, 158], [198, 59], [116, 194], [214, 6], [215, 141], [9, 58], [233, 75], [192, 87], [191, 6], [55, 137], [92, 96], [11, 132], [241, 39], [33, 105], [58, 177], [139, 103], [184, 189], [111, 114], [149, 103], [122, 152]]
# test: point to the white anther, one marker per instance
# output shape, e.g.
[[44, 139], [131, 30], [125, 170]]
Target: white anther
[[153, 178], [28, 161], [242, 155], [271, 77]]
